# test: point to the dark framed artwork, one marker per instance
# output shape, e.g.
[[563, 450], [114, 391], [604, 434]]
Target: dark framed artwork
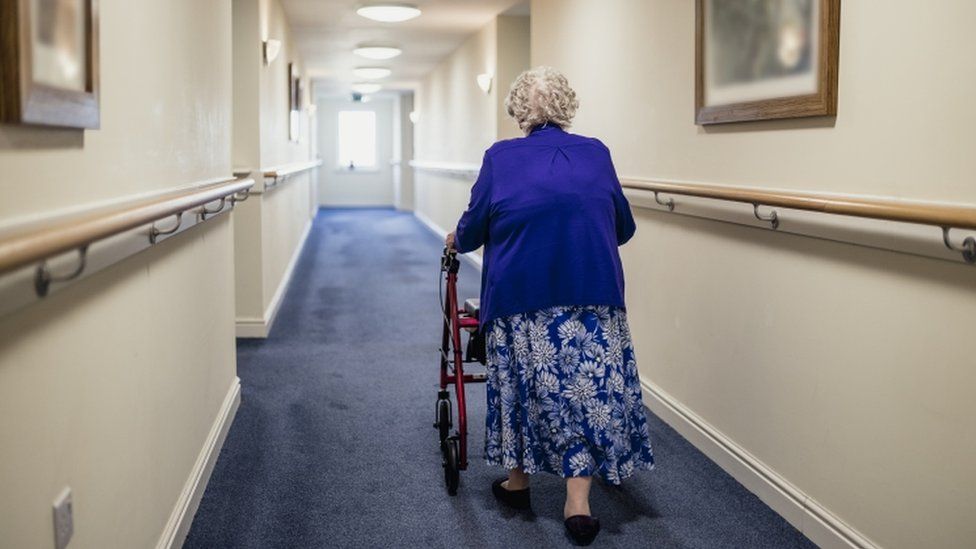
[[765, 59], [294, 102], [49, 63]]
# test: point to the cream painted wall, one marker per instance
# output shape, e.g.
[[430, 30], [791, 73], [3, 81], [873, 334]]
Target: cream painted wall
[[112, 385], [842, 369], [903, 121], [247, 59], [403, 152], [271, 227], [513, 44], [276, 149], [249, 260], [285, 213], [441, 198], [458, 121], [157, 131], [340, 187]]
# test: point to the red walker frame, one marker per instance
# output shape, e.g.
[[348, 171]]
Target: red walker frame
[[454, 446]]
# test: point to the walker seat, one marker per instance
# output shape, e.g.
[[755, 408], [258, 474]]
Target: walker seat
[[472, 306]]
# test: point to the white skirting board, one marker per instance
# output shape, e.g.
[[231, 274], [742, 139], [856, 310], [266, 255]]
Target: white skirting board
[[178, 525], [472, 257], [261, 327], [815, 521]]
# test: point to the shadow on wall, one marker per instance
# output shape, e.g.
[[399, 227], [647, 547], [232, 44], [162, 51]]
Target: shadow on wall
[[85, 293], [917, 268], [26, 138], [770, 125]]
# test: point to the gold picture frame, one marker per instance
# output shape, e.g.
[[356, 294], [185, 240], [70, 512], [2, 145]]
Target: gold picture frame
[[765, 60], [49, 63]]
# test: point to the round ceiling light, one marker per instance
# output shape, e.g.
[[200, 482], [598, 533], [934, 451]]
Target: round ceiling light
[[388, 12], [366, 88], [371, 73], [377, 52]]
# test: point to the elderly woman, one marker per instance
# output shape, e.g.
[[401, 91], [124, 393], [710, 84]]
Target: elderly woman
[[563, 391]]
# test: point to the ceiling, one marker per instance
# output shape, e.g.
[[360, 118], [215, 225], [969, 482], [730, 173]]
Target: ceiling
[[326, 31]]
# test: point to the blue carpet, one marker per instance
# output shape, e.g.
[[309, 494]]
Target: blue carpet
[[333, 444]]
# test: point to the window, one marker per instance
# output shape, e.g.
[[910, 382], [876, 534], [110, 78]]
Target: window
[[357, 140]]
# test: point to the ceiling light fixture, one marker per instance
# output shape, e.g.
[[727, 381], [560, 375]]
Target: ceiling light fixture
[[366, 88], [377, 52], [387, 12], [371, 73]]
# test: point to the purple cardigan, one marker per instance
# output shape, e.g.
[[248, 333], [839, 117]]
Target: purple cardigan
[[550, 212]]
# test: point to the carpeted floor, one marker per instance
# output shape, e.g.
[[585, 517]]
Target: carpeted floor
[[333, 445]]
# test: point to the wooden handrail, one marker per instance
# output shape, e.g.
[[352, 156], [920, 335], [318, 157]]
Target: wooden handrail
[[458, 168], [291, 169], [939, 215], [943, 216], [19, 248]]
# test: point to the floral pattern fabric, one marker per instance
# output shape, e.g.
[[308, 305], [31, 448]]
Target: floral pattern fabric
[[564, 395]]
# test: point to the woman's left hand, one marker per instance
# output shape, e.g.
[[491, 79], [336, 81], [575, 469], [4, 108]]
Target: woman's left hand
[[449, 240]]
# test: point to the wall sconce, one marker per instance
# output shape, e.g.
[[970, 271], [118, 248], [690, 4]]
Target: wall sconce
[[484, 82], [414, 117], [271, 49]]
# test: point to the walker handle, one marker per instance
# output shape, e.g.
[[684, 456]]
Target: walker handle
[[449, 261]]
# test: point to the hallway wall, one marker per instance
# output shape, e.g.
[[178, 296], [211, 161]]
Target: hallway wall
[[837, 369], [341, 187], [513, 46], [276, 147], [458, 121], [403, 151], [116, 385], [281, 216]]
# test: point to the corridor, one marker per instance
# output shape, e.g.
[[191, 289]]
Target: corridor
[[333, 445], [722, 255]]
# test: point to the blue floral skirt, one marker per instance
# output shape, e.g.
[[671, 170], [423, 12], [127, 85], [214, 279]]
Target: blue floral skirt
[[564, 396]]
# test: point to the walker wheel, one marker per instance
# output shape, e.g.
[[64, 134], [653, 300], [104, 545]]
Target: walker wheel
[[452, 469], [443, 420]]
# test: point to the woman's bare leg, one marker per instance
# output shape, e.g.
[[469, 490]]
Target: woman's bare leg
[[577, 496], [517, 480]]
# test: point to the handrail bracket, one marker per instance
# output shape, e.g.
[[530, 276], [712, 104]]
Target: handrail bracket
[[240, 196], [155, 233], [772, 219], [968, 248], [43, 277], [669, 203], [204, 212]]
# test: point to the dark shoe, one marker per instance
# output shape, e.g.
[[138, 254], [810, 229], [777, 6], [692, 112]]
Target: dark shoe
[[516, 499], [582, 528]]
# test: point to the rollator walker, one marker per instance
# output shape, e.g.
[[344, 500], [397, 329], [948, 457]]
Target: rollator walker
[[456, 320]]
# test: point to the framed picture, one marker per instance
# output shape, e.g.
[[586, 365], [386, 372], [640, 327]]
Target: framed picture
[[294, 102], [765, 59], [49, 63]]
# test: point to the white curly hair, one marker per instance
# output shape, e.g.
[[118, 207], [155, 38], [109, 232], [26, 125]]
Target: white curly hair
[[539, 96]]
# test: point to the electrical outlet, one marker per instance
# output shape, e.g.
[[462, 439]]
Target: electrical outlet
[[64, 524]]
